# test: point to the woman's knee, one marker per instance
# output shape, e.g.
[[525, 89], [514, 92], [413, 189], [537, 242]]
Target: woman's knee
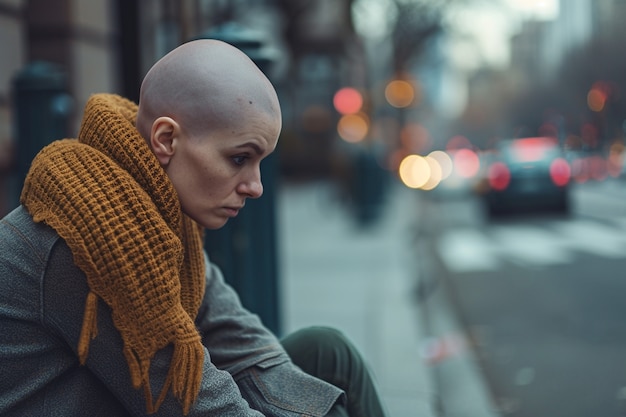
[[328, 354], [321, 350], [318, 336], [314, 339]]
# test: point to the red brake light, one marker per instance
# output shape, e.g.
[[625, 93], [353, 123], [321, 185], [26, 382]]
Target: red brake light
[[499, 176], [560, 172]]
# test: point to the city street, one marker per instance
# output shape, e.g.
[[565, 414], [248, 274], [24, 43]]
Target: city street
[[539, 300], [394, 116]]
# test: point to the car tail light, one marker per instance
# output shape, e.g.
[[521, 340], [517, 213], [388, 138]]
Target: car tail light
[[560, 172], [499, 176]]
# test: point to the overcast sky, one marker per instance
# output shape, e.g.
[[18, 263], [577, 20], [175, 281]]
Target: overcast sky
[[481, 31]]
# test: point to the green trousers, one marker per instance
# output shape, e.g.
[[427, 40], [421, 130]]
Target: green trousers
[[328, 355]]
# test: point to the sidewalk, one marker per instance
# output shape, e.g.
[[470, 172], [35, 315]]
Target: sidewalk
[[361, 281], [365, 282]]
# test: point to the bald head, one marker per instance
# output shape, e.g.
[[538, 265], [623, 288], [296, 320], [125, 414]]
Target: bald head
[[203, 85]]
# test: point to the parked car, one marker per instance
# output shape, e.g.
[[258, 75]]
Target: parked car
[[526, 174]]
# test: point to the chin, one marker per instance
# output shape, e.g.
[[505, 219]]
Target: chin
[[209, 222], [215, 225]]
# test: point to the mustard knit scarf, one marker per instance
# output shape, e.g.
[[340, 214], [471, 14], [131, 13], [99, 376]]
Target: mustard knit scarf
[[107, 196]]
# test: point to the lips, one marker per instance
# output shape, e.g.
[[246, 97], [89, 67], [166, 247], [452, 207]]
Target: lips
[[232, 211]]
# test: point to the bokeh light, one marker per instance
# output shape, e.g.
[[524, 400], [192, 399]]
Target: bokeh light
[[435, 174], [580, 172], [425, 172], [560, 172], [598, 95], [353, 127], [596, 100], [466, 163], [348, 100], [445, 162], [399, 93], [414, 171]]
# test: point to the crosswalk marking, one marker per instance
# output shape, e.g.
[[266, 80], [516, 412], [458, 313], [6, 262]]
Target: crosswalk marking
[[467, 250], [531, 246], [473, 250], [595, 238]]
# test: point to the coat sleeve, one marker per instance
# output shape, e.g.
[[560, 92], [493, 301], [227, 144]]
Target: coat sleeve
[[242, 345], [236, 338]]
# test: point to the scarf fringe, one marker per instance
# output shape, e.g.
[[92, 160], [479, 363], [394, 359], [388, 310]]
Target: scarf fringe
[[184, 376], [186, 384], [89, 330]]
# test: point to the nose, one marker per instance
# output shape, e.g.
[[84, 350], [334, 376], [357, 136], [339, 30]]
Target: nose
[[252, 187]]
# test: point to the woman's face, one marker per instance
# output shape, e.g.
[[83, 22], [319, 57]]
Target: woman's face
[[214, 173]]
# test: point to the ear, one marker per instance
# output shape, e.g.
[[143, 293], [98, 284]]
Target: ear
[[163, 136]]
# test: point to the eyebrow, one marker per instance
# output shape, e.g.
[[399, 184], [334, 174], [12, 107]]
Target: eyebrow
[[252, 145]]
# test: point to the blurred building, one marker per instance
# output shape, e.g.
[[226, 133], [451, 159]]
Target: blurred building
[[573, 27], [541, 46], [77, 36], [325, 55]]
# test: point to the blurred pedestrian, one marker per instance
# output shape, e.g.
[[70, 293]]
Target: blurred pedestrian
[[109, 304]]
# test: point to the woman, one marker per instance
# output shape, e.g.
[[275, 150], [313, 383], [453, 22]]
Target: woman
[[108, 303]]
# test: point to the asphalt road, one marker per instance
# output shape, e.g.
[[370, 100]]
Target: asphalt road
[[541, 300]]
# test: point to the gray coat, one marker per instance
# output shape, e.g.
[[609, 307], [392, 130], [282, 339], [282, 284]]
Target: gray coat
[[42, 300]]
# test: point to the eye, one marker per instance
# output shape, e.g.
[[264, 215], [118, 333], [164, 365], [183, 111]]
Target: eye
[[239, 159]]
